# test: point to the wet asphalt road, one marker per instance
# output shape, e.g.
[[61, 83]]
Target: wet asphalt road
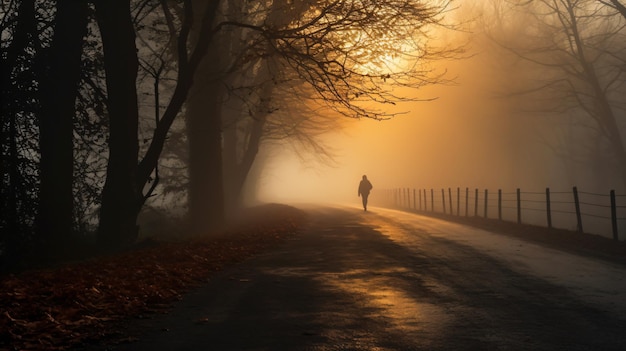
[[368, 281]]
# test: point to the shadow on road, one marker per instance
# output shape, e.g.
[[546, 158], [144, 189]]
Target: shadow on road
[[347, 284]]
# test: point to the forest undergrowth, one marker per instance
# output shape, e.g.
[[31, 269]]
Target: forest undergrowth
[[73, 305]]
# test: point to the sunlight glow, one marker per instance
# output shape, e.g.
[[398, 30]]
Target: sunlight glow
[[399, 308], [378, 55]]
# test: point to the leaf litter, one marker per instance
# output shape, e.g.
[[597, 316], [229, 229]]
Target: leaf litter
[[78, 304]]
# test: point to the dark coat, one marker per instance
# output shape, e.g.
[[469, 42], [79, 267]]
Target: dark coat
[[365, 187]]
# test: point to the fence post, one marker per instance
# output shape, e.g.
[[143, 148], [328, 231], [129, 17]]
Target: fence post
[[419, 191], [450, 198], [397, 196], [579, 219], [476, 203], [458, 201], [443, 199], [404, 199], [432, 200], [486, 200], [614, 215], [500, 204], [408, 198], [414, 200], [519, 206], [548, 208], [466, 200]]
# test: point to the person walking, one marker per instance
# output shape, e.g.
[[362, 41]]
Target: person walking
[[364, 191]]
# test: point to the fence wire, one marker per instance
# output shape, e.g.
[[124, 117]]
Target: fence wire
[[567, 209]]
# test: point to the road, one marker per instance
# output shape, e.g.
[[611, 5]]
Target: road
[[388, 280]]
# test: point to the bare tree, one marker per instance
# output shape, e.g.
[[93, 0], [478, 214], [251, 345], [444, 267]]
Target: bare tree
[[579, 48], [337, 53], [47, 124], [346, 52], [123, 193], [334, 48], [21, 46], [341, 54], [59, 90], [617, 5]]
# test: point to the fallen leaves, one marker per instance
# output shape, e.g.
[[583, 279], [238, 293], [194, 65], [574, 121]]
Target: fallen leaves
[[78, 304]]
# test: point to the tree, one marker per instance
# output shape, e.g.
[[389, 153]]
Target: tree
[[617, 5], [267, 113], [579, 46], [123, 193], [42, 70], [337, 53], [204, 132], [21, 44], [332, 52], [59, 89]]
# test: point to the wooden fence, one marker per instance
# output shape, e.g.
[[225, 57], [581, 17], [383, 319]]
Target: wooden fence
[[577, 210]]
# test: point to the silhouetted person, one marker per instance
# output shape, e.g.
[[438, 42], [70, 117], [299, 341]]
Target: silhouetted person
[[364, 191]]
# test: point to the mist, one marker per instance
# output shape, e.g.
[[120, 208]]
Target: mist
[[480, 131], [461, 139]]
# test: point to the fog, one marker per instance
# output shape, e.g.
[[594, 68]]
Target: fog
[[492, 127], [467, 137]]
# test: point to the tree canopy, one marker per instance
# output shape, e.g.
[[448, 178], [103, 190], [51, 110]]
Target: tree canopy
[[135, 64]]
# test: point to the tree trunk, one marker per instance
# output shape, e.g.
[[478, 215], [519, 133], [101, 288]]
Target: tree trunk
[[15, 61], [621, 153], [121, 198], [204, 131], [58, 98], [620, 7], [229, 134], [238, 170], [604, 114], [187, 67]]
